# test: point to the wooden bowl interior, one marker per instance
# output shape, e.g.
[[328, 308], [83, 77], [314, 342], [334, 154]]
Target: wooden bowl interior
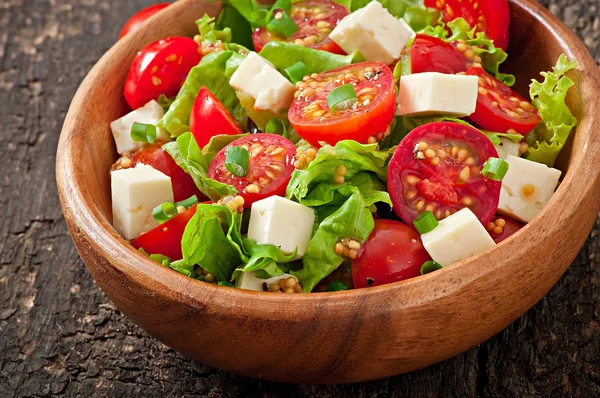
[[343, 337]]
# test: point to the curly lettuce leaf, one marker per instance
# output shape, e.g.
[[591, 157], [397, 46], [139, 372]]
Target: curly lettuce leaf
[[264, 260], [212, 239], [213, 72], [283, 55], [209, 32], [192, 160], [352, 219], [491, 55], [549, 97], [354, 156]]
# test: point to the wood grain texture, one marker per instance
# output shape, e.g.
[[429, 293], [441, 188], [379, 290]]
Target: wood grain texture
[[60, 335]]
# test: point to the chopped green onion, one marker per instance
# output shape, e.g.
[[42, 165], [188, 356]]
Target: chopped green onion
[[426, 222], [163, 213], [157, 258], [430, 266], [282, 24], [285, 5], [237, 160], [189, 202], [337, 286], [141, 132], [341, 96], [223, 283], [495, 169], [296, 72], [277, 126]]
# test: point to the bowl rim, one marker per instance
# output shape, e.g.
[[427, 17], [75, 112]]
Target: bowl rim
[[88, 219]]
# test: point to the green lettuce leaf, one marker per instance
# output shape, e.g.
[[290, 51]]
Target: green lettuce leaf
[[549, 97], [283, 55], [495, 137], [264, 260], [210, 33], [213, 72], [491, 56], [354, 156], [192, 160], [212, 239], [241, 31], [254, 12], [352, 219]]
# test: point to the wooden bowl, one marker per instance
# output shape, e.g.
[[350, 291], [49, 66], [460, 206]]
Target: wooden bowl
[[331, 337]]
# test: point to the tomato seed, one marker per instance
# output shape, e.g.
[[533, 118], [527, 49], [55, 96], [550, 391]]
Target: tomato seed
[[252, 188], [482, 91], [411, 195], [465, 173], [467, 201], [420, 205], [412, 180], [156, 81], [429, 153]]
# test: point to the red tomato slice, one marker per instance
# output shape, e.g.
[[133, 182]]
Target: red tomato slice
[[370, 116], [270, 169], [499, 108], [140, 17], [210, 118], [160, 68], [500, 228], [392, 253], [316, 19], [166, 238], [430, 54], [183, 184], [437, 168], [489, 16]]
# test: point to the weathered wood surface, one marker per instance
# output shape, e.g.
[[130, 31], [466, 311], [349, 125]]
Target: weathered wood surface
[[61, 336]]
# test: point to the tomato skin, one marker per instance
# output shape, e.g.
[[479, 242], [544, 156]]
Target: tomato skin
[[431, 54], [416, 182], [507, 225], [260, 168], [330, 13], [392, 253], [210, 118], [367, 121], [497, 118], [140, 17], [166, 238], [495, 16], [160, 68], [183, 184]]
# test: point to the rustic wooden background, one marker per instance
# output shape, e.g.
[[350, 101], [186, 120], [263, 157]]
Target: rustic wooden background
[[61, 336]]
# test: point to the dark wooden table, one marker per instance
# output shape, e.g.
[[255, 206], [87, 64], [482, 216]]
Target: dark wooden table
[[61, 336]]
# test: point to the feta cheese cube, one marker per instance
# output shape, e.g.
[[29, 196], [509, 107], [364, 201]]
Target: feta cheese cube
[[151, 113], [508, 147], [249, 281], [374, 32], [280, 222], [270, 89], [457, 238], [432, 93], [526, 188], [135, 193]]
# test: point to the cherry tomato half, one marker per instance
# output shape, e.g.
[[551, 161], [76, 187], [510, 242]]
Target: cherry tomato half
[[489, 16], [500, 108], [431, 54], [270, 169], [500, 228], [183, 184], [392, 253], [210, 118], [316, 19], [140, 17], [437, 168], [166, 238], [370, 116], [160, 68]]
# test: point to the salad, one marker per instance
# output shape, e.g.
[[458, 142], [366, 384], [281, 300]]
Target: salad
[[324, 145]]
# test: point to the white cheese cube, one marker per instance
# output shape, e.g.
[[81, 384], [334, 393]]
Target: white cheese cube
[[526, 188], [150, 113], [507, 148], [280, 222], [135, 193], [374, 32], [248, 281], [258, 78], [432, 93], [457, 238]]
